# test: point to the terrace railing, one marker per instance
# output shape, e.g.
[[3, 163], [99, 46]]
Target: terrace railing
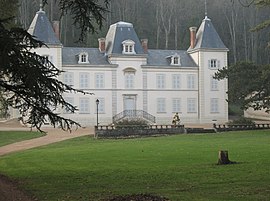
[[133, 115]]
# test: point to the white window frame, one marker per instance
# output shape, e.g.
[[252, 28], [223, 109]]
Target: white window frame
[[214, 104], [161, 105], [83, 58], [191, 81], [129, 80], [191, 105], [128, 47], [84, 106], [160, 81], [214, 84], [176, 105], [175, 60], [176, 81], [68, 78], [213, 64], [83, 80], [99, 80]]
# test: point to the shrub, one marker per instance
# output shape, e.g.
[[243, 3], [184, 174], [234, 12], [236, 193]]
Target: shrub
[[242, 121], [129, 123]]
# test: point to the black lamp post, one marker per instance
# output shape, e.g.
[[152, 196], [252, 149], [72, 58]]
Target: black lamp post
[[97, 102]]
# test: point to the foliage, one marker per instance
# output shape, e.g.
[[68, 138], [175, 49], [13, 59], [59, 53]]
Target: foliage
[[235, 110], [83, 13], [29, 81], [242, 121], [9, 137], [90, 169], [131, 122], [249, 84]]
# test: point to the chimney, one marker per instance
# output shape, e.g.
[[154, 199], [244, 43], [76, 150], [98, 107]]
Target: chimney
[[144, 45], [101, 44], [56, 29], [192, 36]]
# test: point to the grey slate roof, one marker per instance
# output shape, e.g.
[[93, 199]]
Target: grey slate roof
[[161, 58], [118, 33], [42, 29], [207, 36], [70, 56]]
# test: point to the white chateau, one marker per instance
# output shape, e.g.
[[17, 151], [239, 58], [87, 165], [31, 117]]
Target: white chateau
[[131, 80]]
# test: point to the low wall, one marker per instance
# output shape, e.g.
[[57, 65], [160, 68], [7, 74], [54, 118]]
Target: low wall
[[222, 128], [137, 131]]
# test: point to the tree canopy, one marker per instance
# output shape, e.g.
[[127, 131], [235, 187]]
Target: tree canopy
[[249, 84], [28, 81]]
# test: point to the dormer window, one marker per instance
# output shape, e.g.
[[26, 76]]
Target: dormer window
[[83, 58], [175, 59], [128, 47]]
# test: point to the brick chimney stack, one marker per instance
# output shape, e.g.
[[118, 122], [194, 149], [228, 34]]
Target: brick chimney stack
[[56, 29], [192, 36], [101, 44], [144, 45]]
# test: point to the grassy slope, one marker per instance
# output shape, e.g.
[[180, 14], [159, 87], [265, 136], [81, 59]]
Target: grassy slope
[[8, 137], [178, 167]]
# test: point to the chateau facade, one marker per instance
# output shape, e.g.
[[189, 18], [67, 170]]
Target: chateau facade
[[131, 80]]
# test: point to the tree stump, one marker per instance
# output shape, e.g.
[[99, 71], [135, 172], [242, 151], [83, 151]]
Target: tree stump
[[223, 158]]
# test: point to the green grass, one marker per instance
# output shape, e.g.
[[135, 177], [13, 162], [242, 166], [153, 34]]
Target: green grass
[[178, 167], [9, 137]]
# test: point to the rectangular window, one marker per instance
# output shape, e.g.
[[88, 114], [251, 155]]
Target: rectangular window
[[70, 100], [176, 81], [101, 105], [213, 63], [68, 78], [100, 80], [214, 84], [214, 105], [129, 80], [84, 106], [161, 105], [191, 81], [84, 80], [160, 81], [176, 105], [191, 105]]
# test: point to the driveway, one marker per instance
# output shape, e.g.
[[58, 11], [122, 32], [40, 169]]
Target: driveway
[[53, 135]]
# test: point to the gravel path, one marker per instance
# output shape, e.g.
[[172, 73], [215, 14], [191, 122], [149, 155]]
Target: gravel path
[[52, 136]]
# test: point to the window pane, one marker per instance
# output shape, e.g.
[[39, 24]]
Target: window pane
[[191, 105], [84, 80], [160, 81], [84, 106], [161, 108], [100, 80], [176, 82]]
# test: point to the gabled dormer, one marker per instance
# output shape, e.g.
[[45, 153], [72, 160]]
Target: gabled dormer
[[83, 58], [128, 47], [174, 59]]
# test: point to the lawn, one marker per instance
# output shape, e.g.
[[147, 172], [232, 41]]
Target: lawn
[[179, 167], [8, 137]]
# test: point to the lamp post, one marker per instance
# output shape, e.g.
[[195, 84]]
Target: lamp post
[[97, 102]]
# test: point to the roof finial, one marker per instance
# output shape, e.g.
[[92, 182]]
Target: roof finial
[[41, 5], [205, 7]]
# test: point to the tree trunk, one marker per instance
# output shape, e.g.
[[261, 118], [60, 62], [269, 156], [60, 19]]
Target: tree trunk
[[223, 158]]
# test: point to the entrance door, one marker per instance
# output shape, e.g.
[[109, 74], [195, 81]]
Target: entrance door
[[129, 103]]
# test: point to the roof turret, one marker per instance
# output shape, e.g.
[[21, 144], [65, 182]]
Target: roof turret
[[42, 29], [207, 37]]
